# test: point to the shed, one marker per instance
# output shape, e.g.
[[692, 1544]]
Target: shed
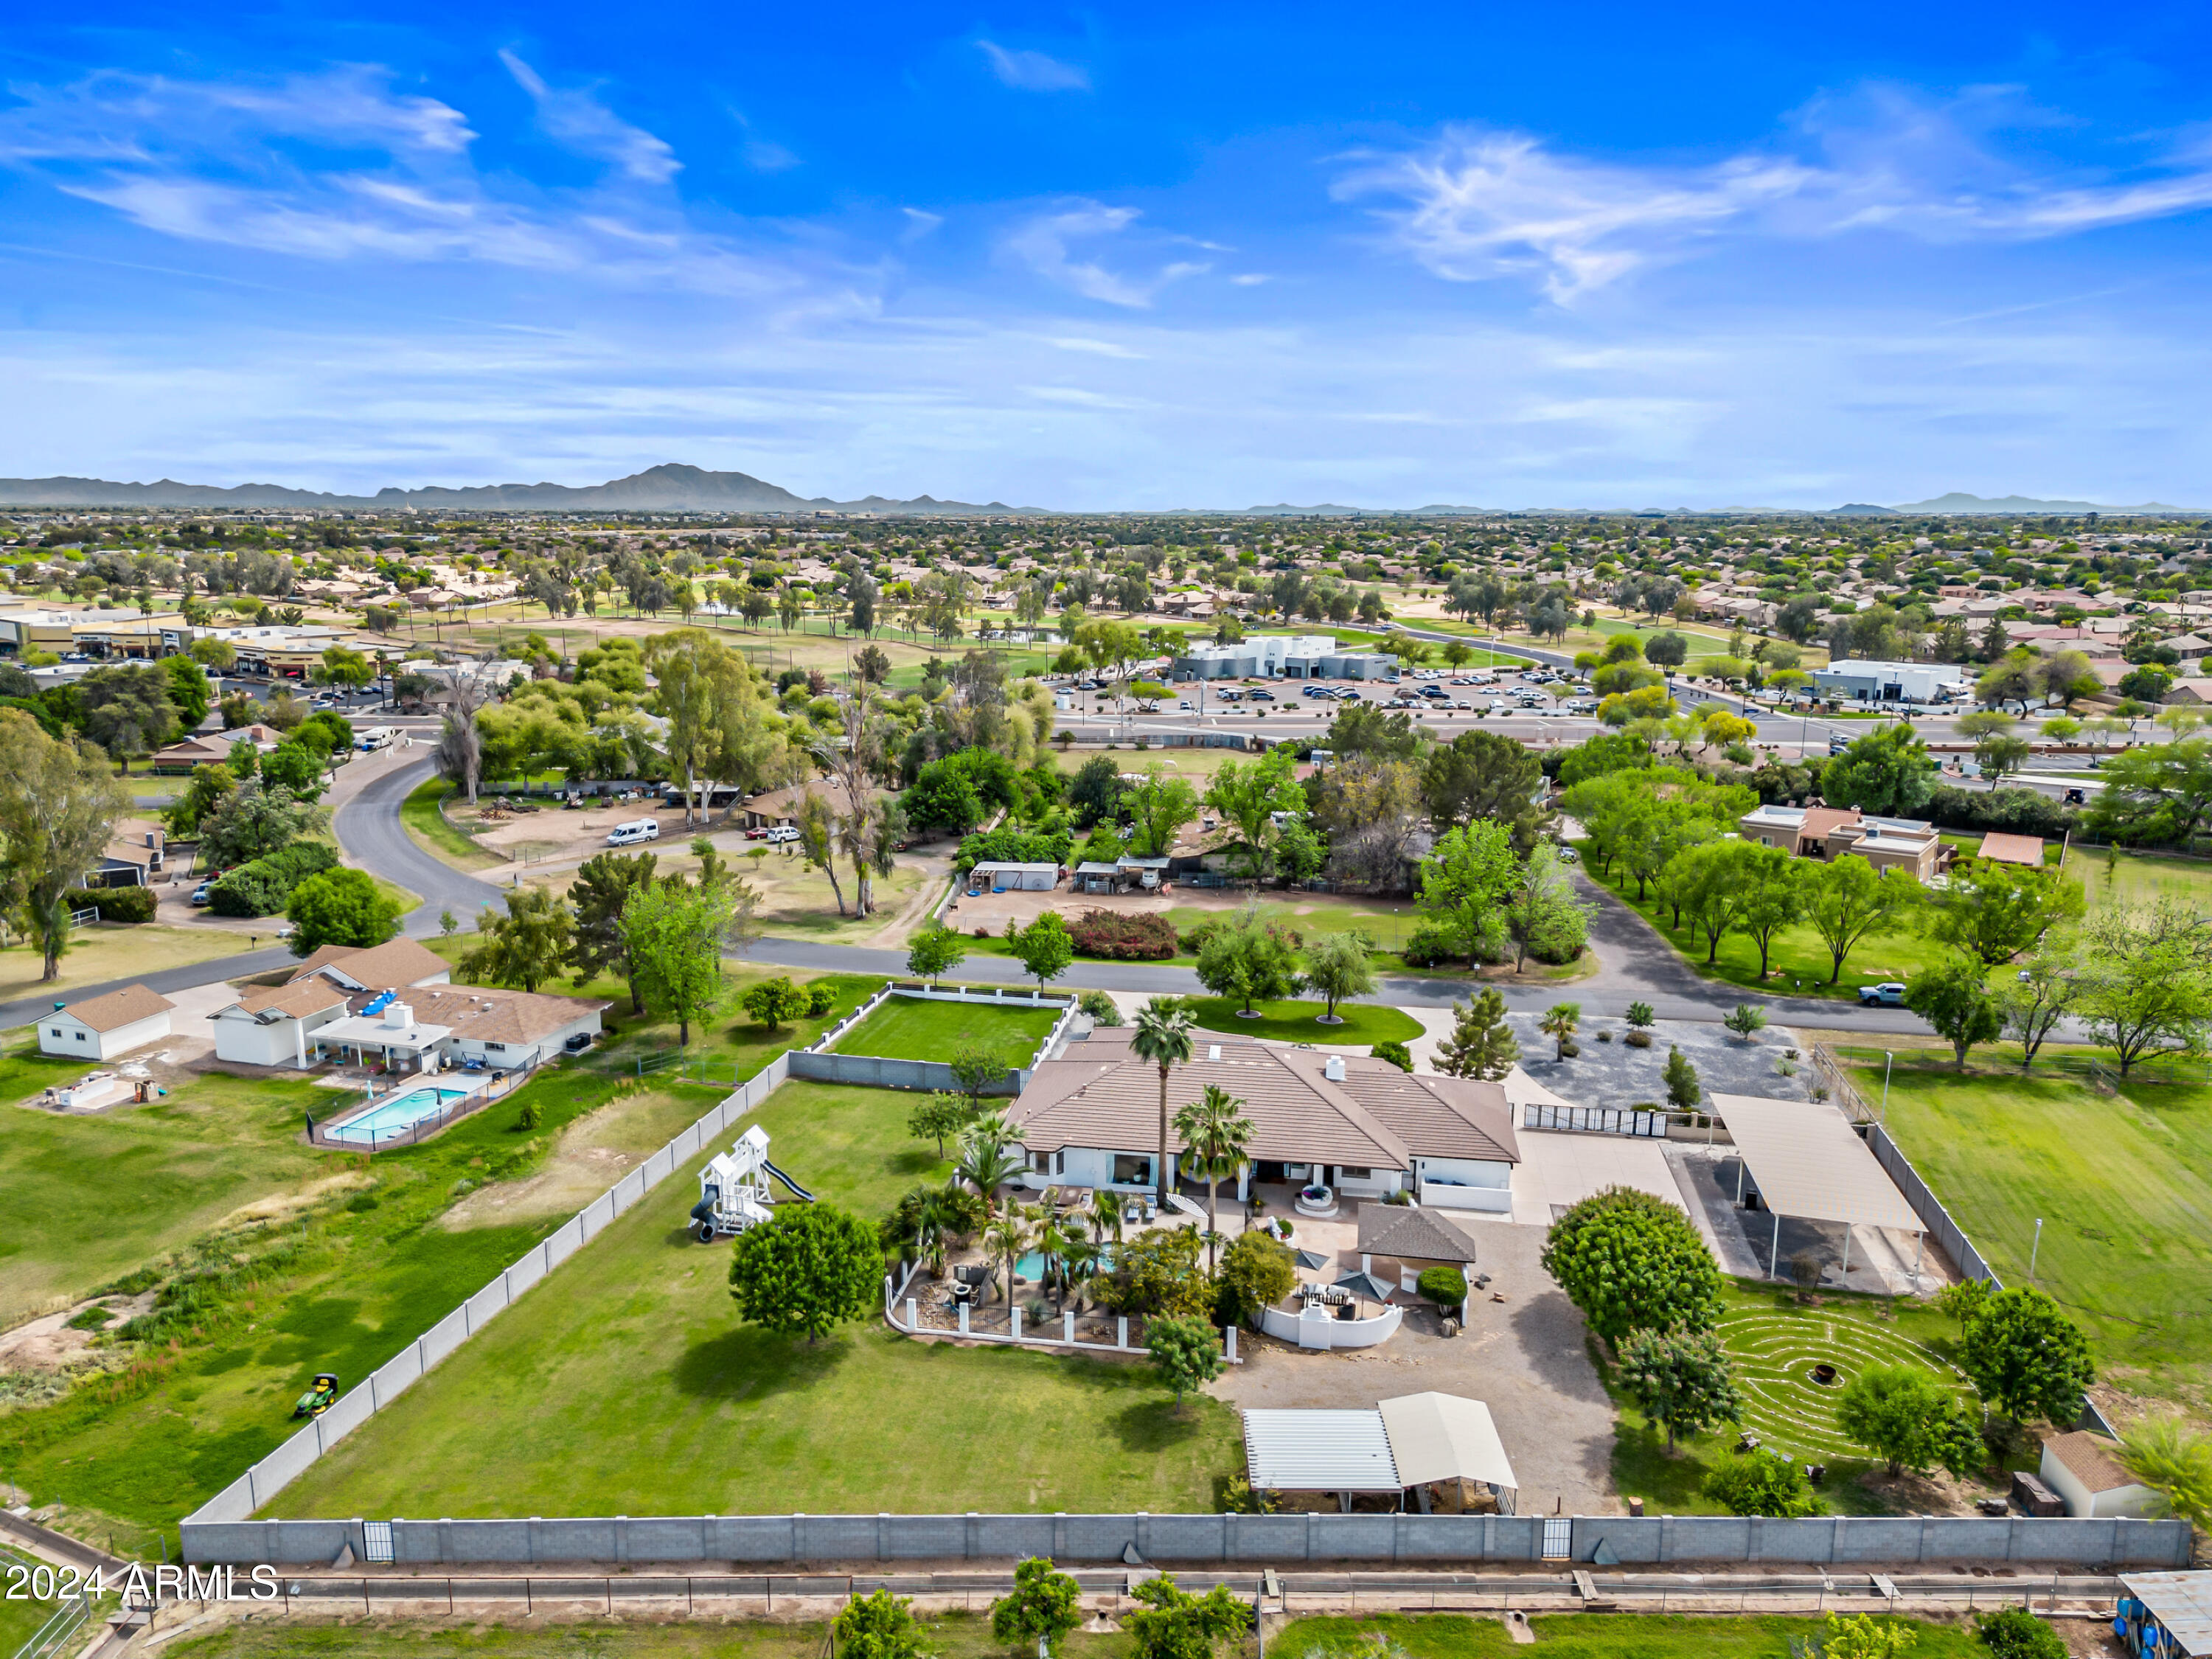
[[1804, 1159], [1093, 877], [100, 1028], [2080, 1468], [2177, 1604], [1014, 877], [2001, 848]]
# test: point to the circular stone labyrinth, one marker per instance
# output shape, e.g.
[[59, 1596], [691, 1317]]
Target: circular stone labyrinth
[[1774, 1355]]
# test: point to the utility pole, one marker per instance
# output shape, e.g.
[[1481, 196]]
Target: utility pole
[[2036, 1248]]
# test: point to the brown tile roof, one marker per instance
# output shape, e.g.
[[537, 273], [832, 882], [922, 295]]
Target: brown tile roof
[[118, 1008], [485, 1013], [1101, 1095], [297, 1000], [391, 966], [1401, 1231], [1819, 820], [2011, 849], [2088, 1458]]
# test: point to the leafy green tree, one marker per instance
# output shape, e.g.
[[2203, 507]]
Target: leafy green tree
[[1396, 1052], [2158, 792], [936, 952], [1770, 893], [808, 1270], [976, 1066], [2033, 1002], [1631, 1261], [1257, 1270], [1679, 1380], [127, 709], [1540, 912], [1463, 884], [2145, 980], [339, 907], [58, 806], [1910, 1420], [2175, 1461], [1759, 1482], [203, 792], [1997, 912], [1186, 1351], [1560, 1022], [255, 820], [879, 1625], [188, 690], [940, 1116], [1249, 793], [1482, 1043], [1094, 794], [1156, 1272], [527, 946], [603, 886], [1172, 1623], [1482, 777], [1746, 1019], [1847, 899], [1888, 773], [1863, 1636], [1045, 1605], [1044, 948], [1337, 967], [1248, 959], [676, 937], [2027, 1358], [1954, 999], [295, 767], [1158, 808], [1681, 1076]]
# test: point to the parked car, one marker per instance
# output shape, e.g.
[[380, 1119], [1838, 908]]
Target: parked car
[[1261, 697], [1888, 995], [780, 833], [204, 893], [757, 833]]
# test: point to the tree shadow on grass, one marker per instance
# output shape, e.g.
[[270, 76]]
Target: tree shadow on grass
[[748, 1363], [1155, 1426], [1643, 1467]]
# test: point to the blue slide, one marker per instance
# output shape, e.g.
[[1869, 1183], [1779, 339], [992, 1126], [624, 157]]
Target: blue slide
[[800, 1191]]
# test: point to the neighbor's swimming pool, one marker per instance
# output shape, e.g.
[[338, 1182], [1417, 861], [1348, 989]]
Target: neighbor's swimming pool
[[389, 1119]]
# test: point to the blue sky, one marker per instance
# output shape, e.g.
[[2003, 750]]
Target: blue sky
[[1145, 257]]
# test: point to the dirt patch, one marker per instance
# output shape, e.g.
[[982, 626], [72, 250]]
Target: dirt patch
[[570, 1182], [50, 1344]]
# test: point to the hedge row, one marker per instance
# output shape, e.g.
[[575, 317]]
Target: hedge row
[[263, 887], [1149, 937], [114, 904]]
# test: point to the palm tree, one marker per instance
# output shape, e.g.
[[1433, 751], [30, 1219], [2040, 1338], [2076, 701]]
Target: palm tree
[[1163, 1036], [1106, 1214], [1007, 1238], [1215, 1132], [1560, 1023], [987, 1160]]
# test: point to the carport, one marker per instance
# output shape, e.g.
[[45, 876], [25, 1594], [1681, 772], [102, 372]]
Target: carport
[[1414, 1442], [1807, 1161]]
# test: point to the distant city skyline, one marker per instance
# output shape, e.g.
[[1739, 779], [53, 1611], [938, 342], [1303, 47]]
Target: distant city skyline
[[1145, 258]]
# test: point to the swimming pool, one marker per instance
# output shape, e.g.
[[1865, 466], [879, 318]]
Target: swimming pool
[[391, 1118]]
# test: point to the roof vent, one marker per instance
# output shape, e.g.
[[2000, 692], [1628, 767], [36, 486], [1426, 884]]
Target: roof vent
[[1212, 1049], [1333, 1069]]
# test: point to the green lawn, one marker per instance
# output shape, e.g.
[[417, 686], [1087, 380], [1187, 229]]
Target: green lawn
[[20, 1620], [2109, 876], [1365, 1022], [338, 1280], [626, 1385], [911, 1028], [427, 824], [2122, 1184], [88, 1199], [1588, 1636], [1798, 964]]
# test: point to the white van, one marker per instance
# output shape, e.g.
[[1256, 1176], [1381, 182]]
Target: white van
[[637, 830]]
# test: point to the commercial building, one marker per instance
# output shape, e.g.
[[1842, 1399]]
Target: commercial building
[[1857, 679], [1828, 833], [1285, 656]]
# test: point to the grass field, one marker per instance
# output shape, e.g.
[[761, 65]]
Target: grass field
[[337, 1280], [1798, 964], [2109, 876], [1365, 1022], [626, 1385], [420, 813], [968, 1636], [20, 1620], [2122, 1184], [909, 1028], [90, 1198], [102, 951]]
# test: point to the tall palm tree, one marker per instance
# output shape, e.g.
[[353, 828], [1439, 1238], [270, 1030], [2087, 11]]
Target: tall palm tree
[[1215, 1132], [1007, 1238], [1106, 1214], [1163, 1036]]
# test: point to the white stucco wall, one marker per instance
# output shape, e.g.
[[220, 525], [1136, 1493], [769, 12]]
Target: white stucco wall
[[244, 1040], [65, 1034]]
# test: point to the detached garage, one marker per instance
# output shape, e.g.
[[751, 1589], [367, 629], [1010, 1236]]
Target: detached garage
[[105, 1027]]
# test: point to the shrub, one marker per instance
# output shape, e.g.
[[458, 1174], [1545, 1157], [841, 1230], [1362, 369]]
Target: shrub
[[113, 904], [1396, 1052], [1432, 947], [1100, 1006], [1010, 846], [1123, 938], [1445, 1286], [1194, 939], [1638, 1039], [1762, 1482], [2017, 1633], [533, 1116], [265, 887], [820, 1000], [983, 933]]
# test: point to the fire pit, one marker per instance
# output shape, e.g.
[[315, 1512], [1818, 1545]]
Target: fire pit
[[1824, 1373]]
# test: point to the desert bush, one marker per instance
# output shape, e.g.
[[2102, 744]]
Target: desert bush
[[1112, 934]]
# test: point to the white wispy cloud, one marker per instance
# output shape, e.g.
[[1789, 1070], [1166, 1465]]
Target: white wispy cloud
[[1044, 244], [576, 120], [1033, 72], [1475, 204]]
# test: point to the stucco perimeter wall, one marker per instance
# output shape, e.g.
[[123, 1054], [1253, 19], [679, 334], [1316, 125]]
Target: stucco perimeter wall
[[1870, 1541]]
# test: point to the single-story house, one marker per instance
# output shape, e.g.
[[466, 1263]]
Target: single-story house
[[1829, 832], [1350, 1122], [2001, 848], [132, 857], [275, 1024], [782, 806], [396, 964], [100, 1028], [2190, 691], [212, 747], [2080, 1468]]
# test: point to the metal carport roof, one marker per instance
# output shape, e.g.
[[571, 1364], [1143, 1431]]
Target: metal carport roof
[[1288, 1450], [1808, 1162], [1443, 1437]]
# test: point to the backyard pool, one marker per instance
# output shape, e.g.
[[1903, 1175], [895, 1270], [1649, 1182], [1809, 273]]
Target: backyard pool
[[392, 1117]]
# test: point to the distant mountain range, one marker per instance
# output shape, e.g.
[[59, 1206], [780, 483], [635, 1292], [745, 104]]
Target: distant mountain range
[[1959, 501], [669, 487]]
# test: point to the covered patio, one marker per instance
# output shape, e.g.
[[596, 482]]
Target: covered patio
[[1803, 1160]]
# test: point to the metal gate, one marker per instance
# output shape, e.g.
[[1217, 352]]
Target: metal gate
[[1558, 1537], [376, 1541], [1595, 1120]]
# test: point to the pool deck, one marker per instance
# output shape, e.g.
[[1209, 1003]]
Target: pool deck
[[466, 1099]]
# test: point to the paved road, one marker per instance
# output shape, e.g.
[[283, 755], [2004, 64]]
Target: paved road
[[369, 829]]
